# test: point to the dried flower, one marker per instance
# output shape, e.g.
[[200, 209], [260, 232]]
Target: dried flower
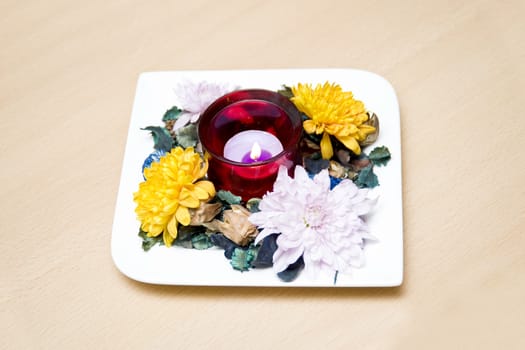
[[194, 98], [322, 225], [172, 186], [204, 213], [235, 225], [332, 112]]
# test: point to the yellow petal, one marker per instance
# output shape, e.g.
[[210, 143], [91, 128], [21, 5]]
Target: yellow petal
[[309, 126], [367, 129], [183, 216], [326, 147], [200, 193], [350, 143], [172, 227], [188, 198], [167, 238], [190, 202], [207, 186]]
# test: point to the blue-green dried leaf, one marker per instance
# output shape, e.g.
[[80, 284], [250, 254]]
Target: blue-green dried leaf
[[171, 114], [184, 243], [286, 91], [253, 205], [228, 197], [380, 156], [367, 178], [201, 241], [149, 242], [315, 165], [221, 241], [292, 271], [161, 138], [242, 258], [265, 254], [187, 136]]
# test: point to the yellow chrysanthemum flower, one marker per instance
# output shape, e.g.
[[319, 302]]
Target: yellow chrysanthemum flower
[[170, 189], [332, 111]]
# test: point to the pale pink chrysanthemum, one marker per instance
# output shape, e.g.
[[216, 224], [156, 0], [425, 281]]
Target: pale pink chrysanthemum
[[324, 226], [194, 97]]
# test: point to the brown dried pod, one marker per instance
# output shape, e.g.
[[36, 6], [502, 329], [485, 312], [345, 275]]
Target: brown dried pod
[[169, 126], [337, 170], [359, 163], [312, 145], [204, 213], [235, 225], [343, 156], [373, 120]]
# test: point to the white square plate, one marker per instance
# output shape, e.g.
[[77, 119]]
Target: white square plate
[[180, 266]]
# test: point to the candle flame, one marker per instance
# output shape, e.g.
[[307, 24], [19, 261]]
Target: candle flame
[[255, 152]]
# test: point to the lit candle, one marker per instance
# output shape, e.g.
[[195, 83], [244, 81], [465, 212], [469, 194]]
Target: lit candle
[[257, 154], [252, 146]]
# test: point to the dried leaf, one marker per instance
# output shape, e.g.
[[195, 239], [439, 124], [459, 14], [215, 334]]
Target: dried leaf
[[228, 197], [360, 163], [242, 258], [292, 271], [221, 241], [265, 254], [171, 114], [161, 138], [149, 242], [201, 241], [380, 156], [286, 91], [367, 178], [315, 165], [253, 205], [187, 136]]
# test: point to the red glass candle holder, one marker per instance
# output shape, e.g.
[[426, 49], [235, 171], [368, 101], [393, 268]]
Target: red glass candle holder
[[245, 110]]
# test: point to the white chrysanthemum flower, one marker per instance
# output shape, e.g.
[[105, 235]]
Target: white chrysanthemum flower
[[324, 226], [194, 97]]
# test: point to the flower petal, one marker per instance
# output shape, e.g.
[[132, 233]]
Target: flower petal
[[326, 146], [201, 193], [172, 228], [309, 126], [284, 258], [206, 186], [188, 198], [350, 143], [181, 121], [167, 238], [183, 215], [194, 117]]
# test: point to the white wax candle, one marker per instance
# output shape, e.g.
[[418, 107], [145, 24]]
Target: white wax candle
[[241, 144]]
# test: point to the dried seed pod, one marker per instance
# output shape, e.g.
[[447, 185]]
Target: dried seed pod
[[169, 126], [337, 170], [343, 155], [235, 225], [204, 213], [373, 120], [360, 163]]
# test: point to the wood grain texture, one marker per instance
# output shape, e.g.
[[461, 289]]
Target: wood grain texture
[[68, 72]]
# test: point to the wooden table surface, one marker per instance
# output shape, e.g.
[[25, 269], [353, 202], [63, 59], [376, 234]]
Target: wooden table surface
[[68, 72]]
